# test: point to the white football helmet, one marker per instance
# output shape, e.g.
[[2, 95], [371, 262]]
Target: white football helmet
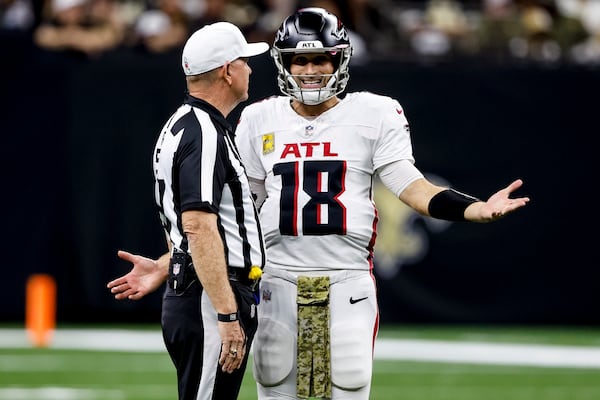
[[312, 30]]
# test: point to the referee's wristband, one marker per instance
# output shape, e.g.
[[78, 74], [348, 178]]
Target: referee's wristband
[[228, 317]]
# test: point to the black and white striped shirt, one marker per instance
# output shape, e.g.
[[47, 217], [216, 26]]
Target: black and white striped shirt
[[197, 167]]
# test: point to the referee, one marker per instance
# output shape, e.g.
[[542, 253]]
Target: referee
[[206, 208]]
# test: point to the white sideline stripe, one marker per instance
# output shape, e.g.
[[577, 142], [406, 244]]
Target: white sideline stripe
[[58, 393], [489, 353], [385, 349], [91, 339]]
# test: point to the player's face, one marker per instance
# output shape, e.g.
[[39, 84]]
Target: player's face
[[308, 69], [240, 72]]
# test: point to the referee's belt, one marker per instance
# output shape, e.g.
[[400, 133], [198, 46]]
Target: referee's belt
[[235, 274], [182, 272], [239, 275]]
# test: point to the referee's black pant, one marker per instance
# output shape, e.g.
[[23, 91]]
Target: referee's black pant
[[186, 338]]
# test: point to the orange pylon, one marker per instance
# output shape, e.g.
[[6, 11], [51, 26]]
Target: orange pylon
[[40, 309]]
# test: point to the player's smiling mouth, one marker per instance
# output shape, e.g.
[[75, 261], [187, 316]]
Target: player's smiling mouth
[[312, 82]]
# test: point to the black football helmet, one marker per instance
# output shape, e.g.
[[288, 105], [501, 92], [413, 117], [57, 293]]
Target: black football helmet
[[312, 30]]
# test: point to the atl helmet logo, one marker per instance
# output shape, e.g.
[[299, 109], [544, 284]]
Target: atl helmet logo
[[309, 44]]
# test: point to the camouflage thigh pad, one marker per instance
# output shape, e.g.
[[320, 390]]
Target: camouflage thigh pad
[[314, 375]]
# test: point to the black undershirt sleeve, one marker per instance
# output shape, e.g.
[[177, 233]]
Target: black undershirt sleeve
[[450, 205]]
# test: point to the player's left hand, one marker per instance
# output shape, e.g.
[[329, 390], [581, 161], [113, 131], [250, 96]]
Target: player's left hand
[[497, 206]]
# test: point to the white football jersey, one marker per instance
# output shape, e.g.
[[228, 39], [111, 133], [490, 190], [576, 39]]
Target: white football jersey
[[319, 212]]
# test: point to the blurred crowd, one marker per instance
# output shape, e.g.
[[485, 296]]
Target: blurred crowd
[[503, 31]]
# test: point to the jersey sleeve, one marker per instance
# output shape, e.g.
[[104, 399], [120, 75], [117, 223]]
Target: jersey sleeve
[[394, 143], [249, 143]]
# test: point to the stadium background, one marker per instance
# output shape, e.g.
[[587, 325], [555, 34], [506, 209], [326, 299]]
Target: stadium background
[[78, 185]]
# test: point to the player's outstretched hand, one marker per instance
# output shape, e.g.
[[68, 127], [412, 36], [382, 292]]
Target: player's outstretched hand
[[145, 277], [498, 205]]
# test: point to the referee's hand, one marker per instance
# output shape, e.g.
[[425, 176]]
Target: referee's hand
[[233, 347], [146, 276]]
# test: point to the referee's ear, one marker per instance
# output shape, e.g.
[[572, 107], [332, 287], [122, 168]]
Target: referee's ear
[[226, 73]]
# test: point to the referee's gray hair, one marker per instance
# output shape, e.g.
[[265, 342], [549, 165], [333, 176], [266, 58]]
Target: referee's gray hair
[[207, 77]]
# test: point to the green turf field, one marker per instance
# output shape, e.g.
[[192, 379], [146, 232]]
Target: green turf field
[[33, 374]]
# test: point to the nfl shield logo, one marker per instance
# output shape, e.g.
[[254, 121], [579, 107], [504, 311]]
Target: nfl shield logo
[[176, 268], [266, 295]]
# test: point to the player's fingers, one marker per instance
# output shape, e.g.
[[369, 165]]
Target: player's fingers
[[512, 206], [514, 185], [518, 203]]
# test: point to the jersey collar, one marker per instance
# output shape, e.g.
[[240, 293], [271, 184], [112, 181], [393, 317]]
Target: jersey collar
[[215, 114]]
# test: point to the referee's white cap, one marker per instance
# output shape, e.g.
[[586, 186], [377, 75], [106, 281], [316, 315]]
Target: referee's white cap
[[62, 5], [215, 45]]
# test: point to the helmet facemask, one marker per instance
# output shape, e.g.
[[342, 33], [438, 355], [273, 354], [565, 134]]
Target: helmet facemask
[[336, 82]]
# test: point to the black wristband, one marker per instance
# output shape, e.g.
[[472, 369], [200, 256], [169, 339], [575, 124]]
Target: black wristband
[[228, 317], [450, 205]]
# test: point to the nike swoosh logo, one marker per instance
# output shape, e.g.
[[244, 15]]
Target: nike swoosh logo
[[354, 301]]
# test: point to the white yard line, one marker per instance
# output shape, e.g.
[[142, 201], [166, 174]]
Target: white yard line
[[385, 349], [488, 353], [91, 339], [59, 393]]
